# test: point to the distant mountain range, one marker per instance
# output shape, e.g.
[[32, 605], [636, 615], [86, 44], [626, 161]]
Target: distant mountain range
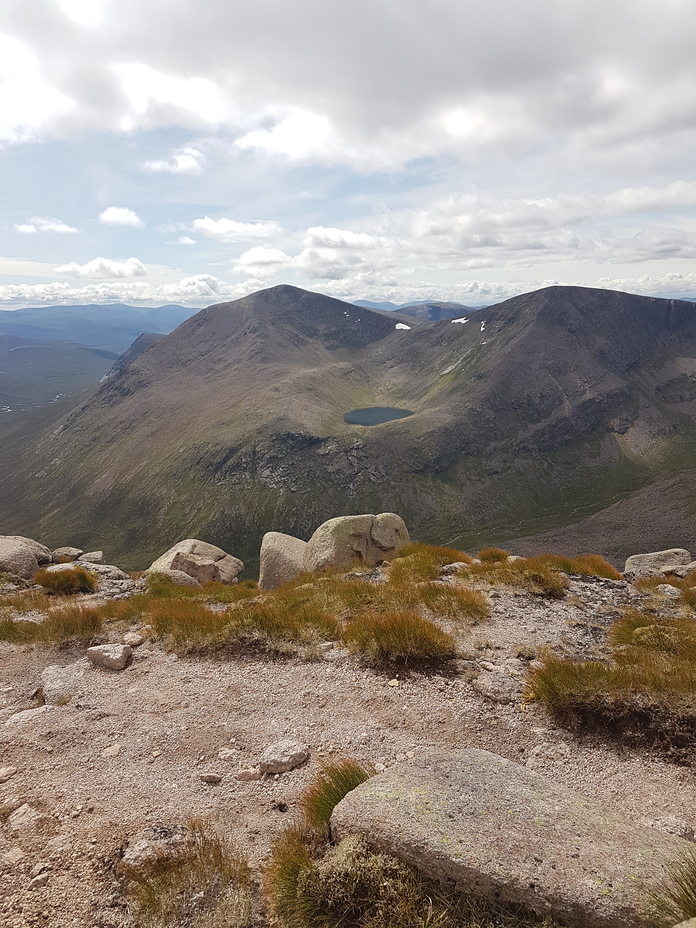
[[112, 327], [427, 310], [526, 416]]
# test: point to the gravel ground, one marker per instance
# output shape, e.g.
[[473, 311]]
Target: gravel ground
[[129, 749]]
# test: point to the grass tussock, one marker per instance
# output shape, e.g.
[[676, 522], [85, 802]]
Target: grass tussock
[[207, 886], [456, 603], [161, 586], [531, 574], [66, 582], [646, 692], [589, 565], [674, 900], [332, 783], [70, 624], [398, 638], [26, 601], [687, 585], [493, 555], [419, 562]]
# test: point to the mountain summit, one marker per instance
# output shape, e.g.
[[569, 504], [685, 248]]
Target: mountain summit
[[525, 415]]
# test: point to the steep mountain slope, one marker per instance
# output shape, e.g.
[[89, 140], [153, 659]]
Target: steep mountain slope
[[432, 312], [112, 327], [528, 414]]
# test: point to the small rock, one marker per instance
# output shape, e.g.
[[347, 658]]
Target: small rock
[[39, 881], [673, 825], [133, 639], [92, 557], [38, 868], [72, 553], [110, 656], [283, 756], [153, 845], [7, 773], [496, 686], [211, 778], [247, 774], [28, 715], [24, 818], [14, 855], [112, 751], [393, 683], [227, 753], [666, 589]]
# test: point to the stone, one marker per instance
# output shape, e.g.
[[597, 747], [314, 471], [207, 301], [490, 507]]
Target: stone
[[680, 571], [497, 686], [227, 567], [14, 856], [72, 553], [153, 845], [345, 540], [227, 753], [24, 818], [248, 774], [283, 756], [60, 684], [26, 716], [177, 576], [673, 825], [133, 639], [112, 751], [666, 589], [482, 824], [281, 559], [22, 556], [651, 565], [6, 773], [689, 923], [201, 568], [93, 557], [102, 571], [212, 779], [38, 881], [110, 656]]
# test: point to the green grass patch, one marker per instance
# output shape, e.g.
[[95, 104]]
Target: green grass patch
[[333, 782], [403, 637]]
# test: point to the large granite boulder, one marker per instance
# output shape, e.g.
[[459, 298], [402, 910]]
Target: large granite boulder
[[22, 556], [485, 825], [282, 559], [199, 560], [341, 542], [655, 563]]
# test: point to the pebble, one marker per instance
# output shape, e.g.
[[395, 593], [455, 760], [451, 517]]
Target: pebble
[[212, 778], [393, 683], [133, 639], [112, 751], [110, 656], [283, 756], [39, 881], [247, 774], [7, 773]]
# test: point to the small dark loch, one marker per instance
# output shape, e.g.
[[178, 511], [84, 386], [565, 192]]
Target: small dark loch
[[375, 415]]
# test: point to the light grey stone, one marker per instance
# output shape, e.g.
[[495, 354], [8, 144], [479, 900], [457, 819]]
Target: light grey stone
[[153, 845], [652, 564], [6, 773], [497, 686], [101, 571], [38, 881], [248, 774], [345, 540], [283, 756], [110, 656], [666, 589], [60, 684], [24, 818], [93, 557], [176, 576], [72, 553], [227, 566], [212, 779], [200, 568], [22, 556], [282, 559], [483, 824], [27, 716]]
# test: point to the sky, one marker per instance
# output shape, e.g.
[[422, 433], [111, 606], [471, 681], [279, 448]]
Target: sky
[[166, 151]]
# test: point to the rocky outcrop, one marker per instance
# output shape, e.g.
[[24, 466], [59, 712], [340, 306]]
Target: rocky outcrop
[[66, 552], [22, 556], [655, 564], [483, 824], [282, 559], [369, 539], [199, 560]]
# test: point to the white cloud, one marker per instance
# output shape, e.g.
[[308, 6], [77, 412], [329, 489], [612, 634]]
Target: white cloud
[[104, 269], [183, 240], [121, 216], [228, 230], [44, 224], [182, 161]]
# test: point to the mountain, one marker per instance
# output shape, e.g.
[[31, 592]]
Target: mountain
[[33, 373], [112, 327], [527, 415], [434, 311]]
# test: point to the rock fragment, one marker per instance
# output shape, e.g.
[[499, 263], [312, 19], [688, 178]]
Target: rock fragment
[[281, 559], [199, 560], [654, 563], [110, 656], [6, 773], [283, 756]]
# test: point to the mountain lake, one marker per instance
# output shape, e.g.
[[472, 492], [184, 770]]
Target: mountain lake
[[375, 415]]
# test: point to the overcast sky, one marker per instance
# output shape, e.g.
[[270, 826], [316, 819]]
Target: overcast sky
[[179, 151]]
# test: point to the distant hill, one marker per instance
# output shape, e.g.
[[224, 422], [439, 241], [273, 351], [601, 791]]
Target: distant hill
[[113, 327], [527, 416], [425, 310], [34, 373]]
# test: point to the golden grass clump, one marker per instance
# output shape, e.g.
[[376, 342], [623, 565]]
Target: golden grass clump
[[398, 637], [63, 625], [66, 582], [206, 886], [673, 900], [529, 574], [332, 783], [418, 562], [646, 693], [590, 565], [456, 603], [493, 555]]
